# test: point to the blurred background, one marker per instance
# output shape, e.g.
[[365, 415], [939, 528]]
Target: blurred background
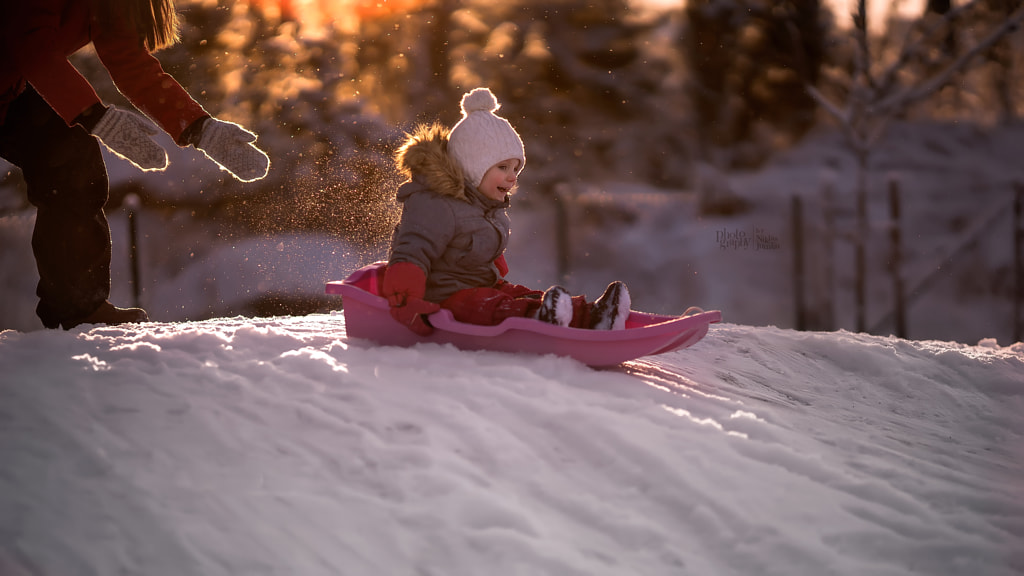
[[809, 164]]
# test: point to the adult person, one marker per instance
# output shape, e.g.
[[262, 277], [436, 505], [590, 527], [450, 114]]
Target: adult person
[[52, 122]]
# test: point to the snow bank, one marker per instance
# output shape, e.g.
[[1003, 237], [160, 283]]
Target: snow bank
[[278, 446]]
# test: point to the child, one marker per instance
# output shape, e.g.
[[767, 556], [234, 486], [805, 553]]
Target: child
[[448, 249]]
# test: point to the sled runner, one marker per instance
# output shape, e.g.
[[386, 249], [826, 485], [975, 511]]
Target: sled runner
[[367, 316]]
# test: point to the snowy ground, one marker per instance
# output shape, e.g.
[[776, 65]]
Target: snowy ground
[[277, 446]]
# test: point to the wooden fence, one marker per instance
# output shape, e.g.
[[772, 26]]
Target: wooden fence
[[820, 315]]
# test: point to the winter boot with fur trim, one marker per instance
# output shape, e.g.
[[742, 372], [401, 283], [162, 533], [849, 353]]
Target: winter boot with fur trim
[[109, 314], [611, 309], [555, 306]]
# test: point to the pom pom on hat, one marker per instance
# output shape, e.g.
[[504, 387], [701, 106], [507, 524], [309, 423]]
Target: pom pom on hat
[[479, 100], [482, 139]]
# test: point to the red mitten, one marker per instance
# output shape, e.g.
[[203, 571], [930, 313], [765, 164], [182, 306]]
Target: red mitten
[[404, 286], [502, 265]]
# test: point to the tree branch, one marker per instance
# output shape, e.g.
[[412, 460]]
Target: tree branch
[[911, 48], [902, 100], [842, 116]]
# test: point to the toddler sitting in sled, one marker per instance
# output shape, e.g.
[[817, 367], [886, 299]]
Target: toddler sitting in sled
[[448, 249]]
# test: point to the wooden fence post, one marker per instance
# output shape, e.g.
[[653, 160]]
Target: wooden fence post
[[798, 263], [860, 256], [563, 197], [896, 260], [131, 202], [1018, 259], [827, 310]]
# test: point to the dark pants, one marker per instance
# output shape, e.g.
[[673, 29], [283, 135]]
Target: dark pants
[[67, 183]]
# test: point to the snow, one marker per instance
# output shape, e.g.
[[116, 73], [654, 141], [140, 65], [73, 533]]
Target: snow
[[279, 446]]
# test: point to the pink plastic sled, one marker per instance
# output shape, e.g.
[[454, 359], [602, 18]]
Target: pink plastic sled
[[367, 316]]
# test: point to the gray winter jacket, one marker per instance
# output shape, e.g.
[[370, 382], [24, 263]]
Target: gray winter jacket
[[448, 228]]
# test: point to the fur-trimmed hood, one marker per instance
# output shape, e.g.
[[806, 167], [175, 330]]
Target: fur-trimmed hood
[[424, 156]]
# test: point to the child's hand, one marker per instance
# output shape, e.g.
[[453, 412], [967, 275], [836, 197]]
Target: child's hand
[[404, 287], [412, 315]]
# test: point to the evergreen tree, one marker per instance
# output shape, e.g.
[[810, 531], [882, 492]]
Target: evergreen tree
[[751, 61]]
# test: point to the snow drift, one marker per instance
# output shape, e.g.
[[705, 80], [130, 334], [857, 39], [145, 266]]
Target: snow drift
[[279, 446]]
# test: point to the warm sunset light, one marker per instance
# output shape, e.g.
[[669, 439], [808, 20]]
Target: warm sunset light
[[315, 16], [345, 15]]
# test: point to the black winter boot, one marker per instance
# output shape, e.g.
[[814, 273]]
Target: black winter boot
[[611, 309], [555, 306], [109, 314]]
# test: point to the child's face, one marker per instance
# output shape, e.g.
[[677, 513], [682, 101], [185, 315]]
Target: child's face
[[500, 179]]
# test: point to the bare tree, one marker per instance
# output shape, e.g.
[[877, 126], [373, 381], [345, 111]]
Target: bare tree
[[878, 92]]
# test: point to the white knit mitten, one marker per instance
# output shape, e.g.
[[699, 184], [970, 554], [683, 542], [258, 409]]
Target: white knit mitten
[[129, 135], [232, 148]]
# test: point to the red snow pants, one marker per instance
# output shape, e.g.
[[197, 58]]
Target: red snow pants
[[490, 306]]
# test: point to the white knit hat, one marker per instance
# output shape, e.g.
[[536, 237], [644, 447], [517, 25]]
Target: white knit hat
[[481, 139]]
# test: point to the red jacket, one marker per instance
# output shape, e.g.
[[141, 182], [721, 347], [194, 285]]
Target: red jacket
[[39, 35]]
